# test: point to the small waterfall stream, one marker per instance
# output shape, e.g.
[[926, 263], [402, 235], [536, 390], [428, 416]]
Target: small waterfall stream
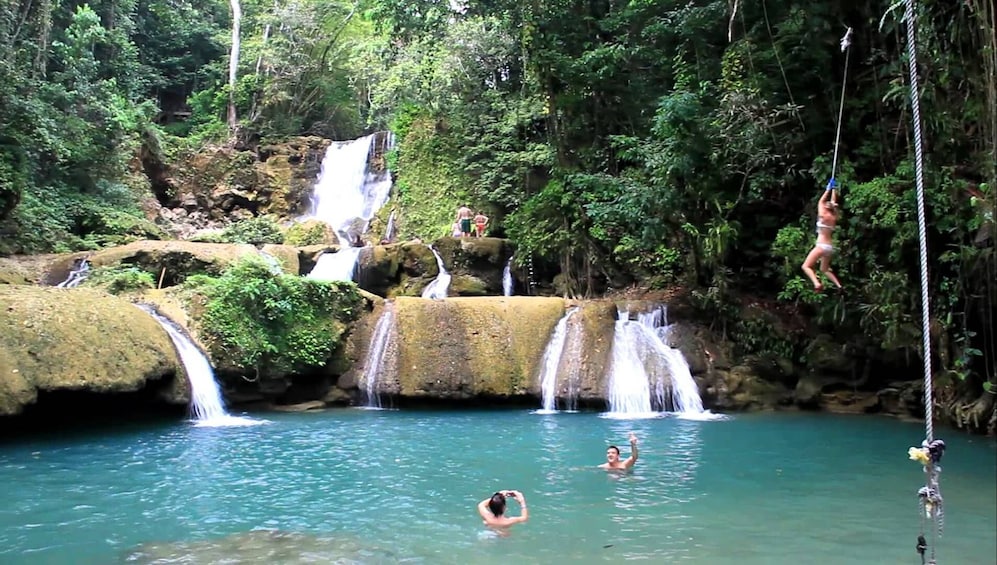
[[646, 376], [508, 284], [78, 274], [374, 366], [205, 397], [550, 363], [437, 289]]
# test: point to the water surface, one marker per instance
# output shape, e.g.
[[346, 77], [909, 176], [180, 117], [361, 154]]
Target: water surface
[[361, 486]]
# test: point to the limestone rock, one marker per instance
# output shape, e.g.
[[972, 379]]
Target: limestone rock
[[460, 348], [61, 339]]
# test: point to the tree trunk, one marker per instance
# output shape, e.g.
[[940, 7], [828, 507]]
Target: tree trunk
[[44, 29], [233, 63]]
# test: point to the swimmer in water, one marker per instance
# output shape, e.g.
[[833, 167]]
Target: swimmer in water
[[613, 462], [492, 510]]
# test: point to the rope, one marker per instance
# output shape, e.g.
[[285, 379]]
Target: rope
[[930, 494], [846, 41]]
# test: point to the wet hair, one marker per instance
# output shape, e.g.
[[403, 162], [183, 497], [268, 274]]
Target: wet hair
[[497, 504], [616, 448]]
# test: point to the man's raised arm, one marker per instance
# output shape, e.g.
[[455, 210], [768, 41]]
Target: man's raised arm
[[633, 452]]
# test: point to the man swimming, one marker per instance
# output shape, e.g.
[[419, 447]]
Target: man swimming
[[613, 462], [492, 510]]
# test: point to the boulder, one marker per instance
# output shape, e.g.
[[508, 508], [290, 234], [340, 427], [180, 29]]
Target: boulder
[[483, 258], [81, 340]]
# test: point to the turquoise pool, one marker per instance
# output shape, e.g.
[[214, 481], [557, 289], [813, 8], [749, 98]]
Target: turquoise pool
[[359, 486]]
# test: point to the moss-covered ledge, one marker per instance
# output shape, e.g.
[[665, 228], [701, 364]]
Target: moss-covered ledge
[[81, 340], [462, 348]]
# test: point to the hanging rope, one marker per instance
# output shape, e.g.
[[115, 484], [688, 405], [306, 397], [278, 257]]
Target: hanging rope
[[846, 42], [931, 450]]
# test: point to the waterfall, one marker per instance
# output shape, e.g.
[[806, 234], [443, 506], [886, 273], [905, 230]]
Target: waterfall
[[374, 365], [551, 361], [205, 397], [646, 376], [346, 196], [78, 274], [437, 289], [508, 285]]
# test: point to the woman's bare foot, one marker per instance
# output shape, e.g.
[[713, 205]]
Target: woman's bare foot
[[818, 287]]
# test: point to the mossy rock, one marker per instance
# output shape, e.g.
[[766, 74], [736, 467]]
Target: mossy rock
[[824, 355], [286, 255], [77, 339], [597, 326], [378, 268], [469, 285], [466, 347], [481, 257], [12, 273], [310, 232], [179, 259]]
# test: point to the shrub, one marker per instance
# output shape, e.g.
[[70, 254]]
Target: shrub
[[273, 323]]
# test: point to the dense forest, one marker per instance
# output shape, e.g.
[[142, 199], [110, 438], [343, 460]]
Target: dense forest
[[652, 143]]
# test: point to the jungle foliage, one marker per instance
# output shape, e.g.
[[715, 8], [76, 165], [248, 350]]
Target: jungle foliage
[[616, 142]]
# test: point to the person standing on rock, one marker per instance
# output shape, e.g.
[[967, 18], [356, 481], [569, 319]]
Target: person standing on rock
[[464, 215], [480, 221], [613, 462]]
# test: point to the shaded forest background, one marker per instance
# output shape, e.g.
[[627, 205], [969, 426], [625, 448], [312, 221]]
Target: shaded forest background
[[649, 143]]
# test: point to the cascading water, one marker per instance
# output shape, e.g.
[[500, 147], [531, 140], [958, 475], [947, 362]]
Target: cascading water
[[205, 397], [346, 196], [508, 285], [374, 366], [437, 289], [646, 376], [77, 275], [551, 361]]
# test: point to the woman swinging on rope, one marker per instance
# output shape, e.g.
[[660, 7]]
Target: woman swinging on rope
[[827, 220]]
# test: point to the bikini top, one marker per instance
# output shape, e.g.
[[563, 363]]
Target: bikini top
[[822, 226]]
